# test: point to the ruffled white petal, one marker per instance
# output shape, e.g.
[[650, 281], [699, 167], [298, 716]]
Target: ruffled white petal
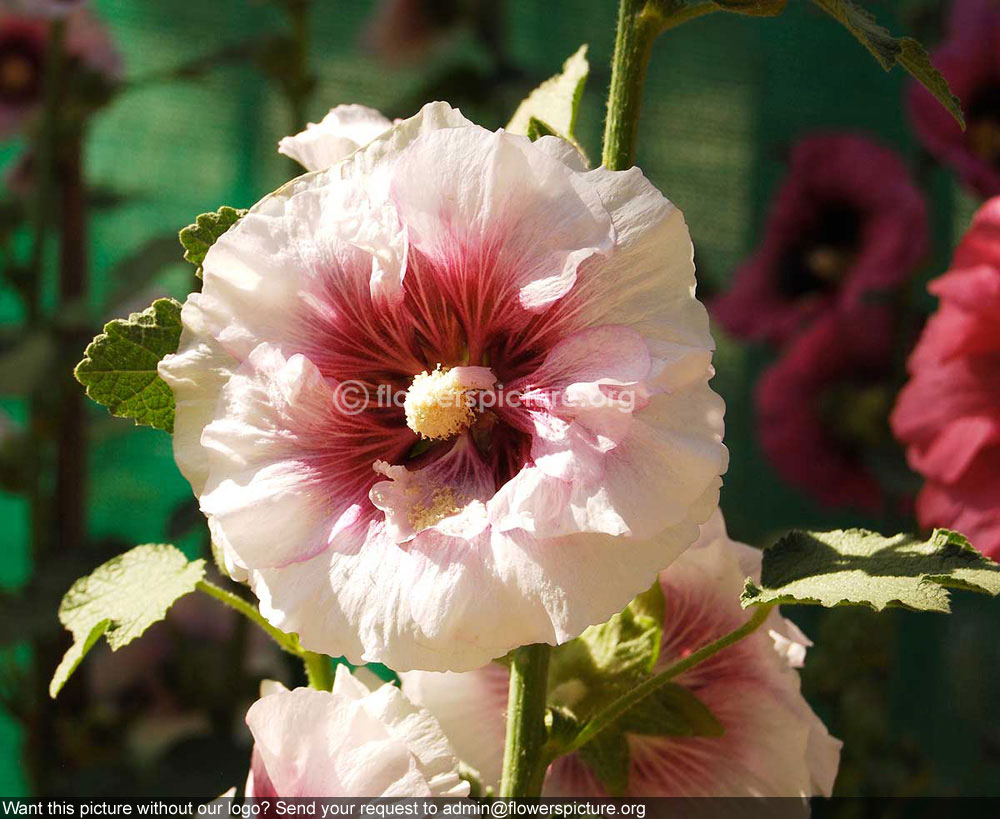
[[470, 191], [341, 132]]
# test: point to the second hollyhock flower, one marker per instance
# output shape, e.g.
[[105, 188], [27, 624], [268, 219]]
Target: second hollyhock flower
[[772, 745], [449, 396], [349, 742], [846, 222]]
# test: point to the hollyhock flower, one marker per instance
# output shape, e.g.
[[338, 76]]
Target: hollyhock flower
[[773, 745], [948, 414], [341, 132], [968, 60], [349, 742], [23, 45], [847, 221], [824, 406], [449, 396]]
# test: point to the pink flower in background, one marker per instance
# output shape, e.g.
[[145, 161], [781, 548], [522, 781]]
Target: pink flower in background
[[846, 222], [449, 396], [970, 61], [23, 45], [349, 742], [824, 405], [948, 414], [773, 745], [404, 30]]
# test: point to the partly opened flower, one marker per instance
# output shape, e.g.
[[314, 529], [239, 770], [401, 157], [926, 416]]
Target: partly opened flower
[[772, 745], [948, 414], [348, 742], [449, 396], [23, 46], [823, 407], [847, 221], [969, 60]]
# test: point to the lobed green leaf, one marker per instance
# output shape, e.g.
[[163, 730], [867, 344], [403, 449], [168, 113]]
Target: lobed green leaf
[[119, 366], [858, 567], [121, 599], [199, 237]]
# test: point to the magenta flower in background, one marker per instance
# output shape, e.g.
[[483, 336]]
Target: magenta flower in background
[[773, 744], [23, 44], [948, 414], [970, 60], [847, 221], [824, 404]]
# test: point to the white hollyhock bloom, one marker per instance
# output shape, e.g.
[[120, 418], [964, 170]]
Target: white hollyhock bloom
[[341, 132], [449, 396], [352, 741], [773, 745]]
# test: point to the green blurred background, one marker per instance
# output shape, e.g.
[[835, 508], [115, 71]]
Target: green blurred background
[[911, 694]]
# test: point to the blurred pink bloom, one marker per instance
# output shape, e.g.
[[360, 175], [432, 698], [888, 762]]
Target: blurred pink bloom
[[349, 742], [846, 221], [825, 403], [948, 414], [773, 745], [970, 61], [23, 45], [449, 396], [404, 30]]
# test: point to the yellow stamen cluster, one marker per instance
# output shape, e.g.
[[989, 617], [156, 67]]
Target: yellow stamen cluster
[[437, 405], [444, 502]]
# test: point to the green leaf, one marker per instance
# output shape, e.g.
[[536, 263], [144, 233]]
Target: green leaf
[[205, 232], [607, 755], [121, 599], [890, 51], [607, 660], [556, 101], [119, 366], [672, 710], [857, 567], [537, 129]]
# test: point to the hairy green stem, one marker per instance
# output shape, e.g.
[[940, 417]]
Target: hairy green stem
[[637, 28], [288, 642], [319, 672], [611, 714], [524, 758]]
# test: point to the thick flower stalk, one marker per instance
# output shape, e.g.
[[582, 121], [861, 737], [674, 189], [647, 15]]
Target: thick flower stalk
[[948, 414], [349, 742], [449, 396], [846, 222], [772, 745]]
